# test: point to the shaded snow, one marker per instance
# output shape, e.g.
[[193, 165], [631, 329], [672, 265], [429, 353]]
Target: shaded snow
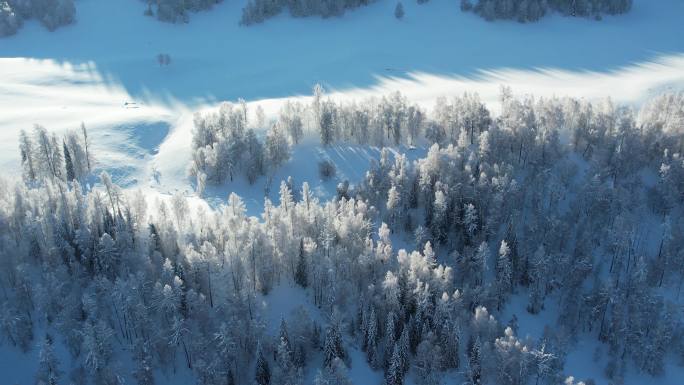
[[61, 78], [140, 115]]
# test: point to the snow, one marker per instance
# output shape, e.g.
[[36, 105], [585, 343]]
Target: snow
[[282, 301], [351, 163], [18, 367], [529, 325], [359, 370], [284, 57], [103, 71], [583, 363], [61, 78]]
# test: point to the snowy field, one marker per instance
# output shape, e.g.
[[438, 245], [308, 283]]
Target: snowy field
[[103, 71], [140, 114]]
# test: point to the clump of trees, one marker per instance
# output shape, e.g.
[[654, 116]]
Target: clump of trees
[[533, 10], [257, 11], [224, 145], [558, 200], [52, 14], [326, 169], [175, 11], [506, 203], [9, 20], [392, 120], [45, 156]]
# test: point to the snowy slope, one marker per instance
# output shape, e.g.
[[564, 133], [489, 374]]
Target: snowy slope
[[214, 58], [145, 143], [103, 71], [140, 114]]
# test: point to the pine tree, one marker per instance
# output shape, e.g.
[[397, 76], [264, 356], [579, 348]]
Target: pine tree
[[332, 347], [538, 286], [143, 372], [479, 263], [48, 365], [335, 374], [277, 147], [301, 275], [262, 374], [470, 221], [326, 122], [450, 342], [284, 337], [439, 218], [404, 347], [372, 340], [395, 372], [503, 273], [68, 164], [393, 208], [286, 371], [85, 144], [474, 361], [428, 356], [390, 337]]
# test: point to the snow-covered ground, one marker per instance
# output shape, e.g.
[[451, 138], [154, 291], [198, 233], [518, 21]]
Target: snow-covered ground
[[213, 58], [145, 143], [102, 71]]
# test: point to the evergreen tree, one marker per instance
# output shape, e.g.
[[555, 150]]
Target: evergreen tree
[[301, 274], [395, 372], [68, 164], [48, 365], [27, 157], [503, 273], [143, 372], [332, 347], [262, 374]]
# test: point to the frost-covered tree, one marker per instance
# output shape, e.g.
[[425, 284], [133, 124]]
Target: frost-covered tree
[[48, 365], [257, 11], [51, 13], [503, 272], [9, 20], [334, 374], [144, 369], [532, 10], [333, 347], [115, 277], [262, 374], [277, 147]]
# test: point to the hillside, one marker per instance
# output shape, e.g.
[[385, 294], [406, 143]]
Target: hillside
[[158, 270]]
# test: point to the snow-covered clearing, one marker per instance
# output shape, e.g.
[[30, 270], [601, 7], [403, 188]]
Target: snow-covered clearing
[[146, 143], [140, 114]]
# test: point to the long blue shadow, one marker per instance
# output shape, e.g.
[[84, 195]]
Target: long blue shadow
[[213, 58]]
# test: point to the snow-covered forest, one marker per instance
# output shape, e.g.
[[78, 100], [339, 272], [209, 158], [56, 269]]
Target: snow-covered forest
[[51, 13], [552, 203], [341, 192], [533, 10], [55, 13]]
